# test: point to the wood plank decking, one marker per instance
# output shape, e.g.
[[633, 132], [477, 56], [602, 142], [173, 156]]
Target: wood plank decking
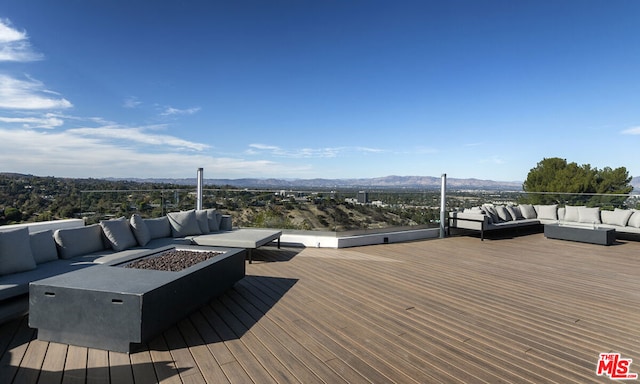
[[524, 309]]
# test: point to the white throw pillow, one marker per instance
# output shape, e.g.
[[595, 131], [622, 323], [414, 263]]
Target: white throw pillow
[[634, 220], [571, 213], [589, 215], [503, 213], [547, 212], [619, 217], [527, 210], [15, 252]]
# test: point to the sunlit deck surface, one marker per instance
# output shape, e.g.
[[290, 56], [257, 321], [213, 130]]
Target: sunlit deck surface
[[522, 309]]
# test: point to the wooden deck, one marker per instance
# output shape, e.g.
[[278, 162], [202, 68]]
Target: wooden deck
[[523, 309]]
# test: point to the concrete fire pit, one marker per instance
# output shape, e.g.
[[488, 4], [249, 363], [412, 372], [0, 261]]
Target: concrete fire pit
[[115, 308]]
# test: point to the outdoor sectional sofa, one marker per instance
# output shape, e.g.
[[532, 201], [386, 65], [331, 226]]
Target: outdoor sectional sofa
[[499, 217], [26, 257]]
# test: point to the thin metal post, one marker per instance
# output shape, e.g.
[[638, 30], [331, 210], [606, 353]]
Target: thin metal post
[[443, 205], [199, 191]]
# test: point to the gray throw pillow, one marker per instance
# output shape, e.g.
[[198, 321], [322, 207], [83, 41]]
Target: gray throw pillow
[[74, 242], [514, 212], [159, 227], [43, 246], [140, 230], [214, 220], [184, 223], [527, 210], [15, 252], [118, 234], [203, 221]]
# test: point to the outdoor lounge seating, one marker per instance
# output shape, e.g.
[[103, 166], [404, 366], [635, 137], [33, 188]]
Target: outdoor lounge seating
[[27, 257], [491, 217]]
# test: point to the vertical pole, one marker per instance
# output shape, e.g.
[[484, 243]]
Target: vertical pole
[[199, 191], [443, 205]]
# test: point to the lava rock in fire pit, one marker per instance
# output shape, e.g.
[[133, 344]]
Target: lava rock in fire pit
[[172, 260]]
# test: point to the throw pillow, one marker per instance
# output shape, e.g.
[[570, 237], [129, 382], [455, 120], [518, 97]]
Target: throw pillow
[[159, 227], [203, 221], [74, 242], [547, 212], [634, 220], [527, 210], [118, 234], [140, 230], [15, 252], [214, 220], [589, 215], [571, 213], [503, 213], [515, 213], [184, 223], [43, 246], [490, 211], [618, 217]]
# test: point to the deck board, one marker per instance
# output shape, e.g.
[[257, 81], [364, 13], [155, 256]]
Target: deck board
[[521, 309]]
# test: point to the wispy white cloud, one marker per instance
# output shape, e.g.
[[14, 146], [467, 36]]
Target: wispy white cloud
[[139, 135], [72, 153], [170, 111], [47, 121], [131, 102], [326, 152], [631, 131], [14, 44], [28, 94]]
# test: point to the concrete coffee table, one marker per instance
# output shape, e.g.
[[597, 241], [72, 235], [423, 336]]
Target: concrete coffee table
[[601, 236], [114, 308]]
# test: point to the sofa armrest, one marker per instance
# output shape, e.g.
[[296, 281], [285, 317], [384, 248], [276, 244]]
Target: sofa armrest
[[468, 220]]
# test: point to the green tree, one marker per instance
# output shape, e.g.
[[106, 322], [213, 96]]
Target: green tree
[[570, 179], [12, 215]]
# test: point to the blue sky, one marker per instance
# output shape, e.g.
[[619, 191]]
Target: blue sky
[[317, 89]]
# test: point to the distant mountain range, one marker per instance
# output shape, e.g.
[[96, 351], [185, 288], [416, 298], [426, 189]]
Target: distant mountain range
[[395, 182]]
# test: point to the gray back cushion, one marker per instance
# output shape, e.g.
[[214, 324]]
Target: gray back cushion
[[15, 252], [184, 223], [74, 242], [140, 230], [158, 227], [43, 246], [118, 234]]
